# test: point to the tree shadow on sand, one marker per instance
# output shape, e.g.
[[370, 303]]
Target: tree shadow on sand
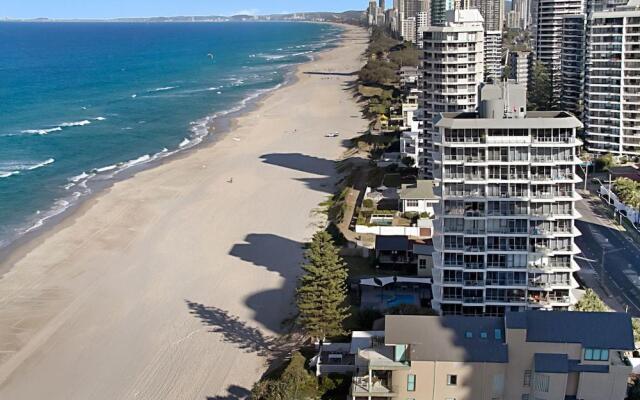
[[235, 392], [233, 330], [273, 252], [325, 169]]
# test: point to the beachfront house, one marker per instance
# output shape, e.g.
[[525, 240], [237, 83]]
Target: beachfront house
[[418, 197], [393, 251]]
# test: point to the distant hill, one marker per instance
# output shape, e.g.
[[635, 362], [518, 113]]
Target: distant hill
[[352, 17]]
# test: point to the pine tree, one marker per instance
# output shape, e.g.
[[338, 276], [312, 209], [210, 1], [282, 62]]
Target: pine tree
[[540, 94], [322, 289]]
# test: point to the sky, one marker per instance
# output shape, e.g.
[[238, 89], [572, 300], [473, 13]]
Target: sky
[[150, 8]]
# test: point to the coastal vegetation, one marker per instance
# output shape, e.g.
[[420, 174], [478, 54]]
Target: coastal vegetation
[[604, 162], [296, 382], [539, 95], [628, 191], [385, 57], [590, 302], [322, 290]]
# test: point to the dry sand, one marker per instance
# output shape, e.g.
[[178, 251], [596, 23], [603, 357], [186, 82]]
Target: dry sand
[[172, 284]]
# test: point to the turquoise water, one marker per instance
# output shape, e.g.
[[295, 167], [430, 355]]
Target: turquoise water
[[83, 102]]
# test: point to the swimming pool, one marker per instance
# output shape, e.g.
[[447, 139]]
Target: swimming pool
[[396, 300]]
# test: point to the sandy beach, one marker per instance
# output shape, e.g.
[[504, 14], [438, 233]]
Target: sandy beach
[[173, 284]]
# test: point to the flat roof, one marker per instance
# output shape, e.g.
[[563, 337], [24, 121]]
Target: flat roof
[[533, 119], [422, 189], [391, 243]]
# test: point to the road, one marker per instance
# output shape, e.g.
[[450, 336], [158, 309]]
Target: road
[[617, 279]]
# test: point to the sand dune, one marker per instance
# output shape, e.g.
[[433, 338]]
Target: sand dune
[[173, 284]]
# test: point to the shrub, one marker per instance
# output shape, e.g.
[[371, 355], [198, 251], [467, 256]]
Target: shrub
[[295, 383], [604, 162], [368, 203]]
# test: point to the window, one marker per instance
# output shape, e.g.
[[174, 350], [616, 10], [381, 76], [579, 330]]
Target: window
[[452, 380], [411, 383], [498, 334], [527, 378], [483, 335], [596, 354], [412, 203], [525, 397], [588, 354], [541, 383], [401, 353], [468, 334]]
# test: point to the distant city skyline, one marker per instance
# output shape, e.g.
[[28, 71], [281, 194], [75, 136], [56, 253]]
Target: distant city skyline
[[76, 9]]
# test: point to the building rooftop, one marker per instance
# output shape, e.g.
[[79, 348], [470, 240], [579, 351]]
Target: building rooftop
[[421, 189], [532, 119], [392, 243], [554, 363], [449, 338], [575, 327]]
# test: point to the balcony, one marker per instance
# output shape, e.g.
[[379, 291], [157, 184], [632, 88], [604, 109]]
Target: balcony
[[473, 282], [474, 249], [473, 299], [365, 386], [549, 301], [473, 265], [544, 285], [506, 299], [505, 282], [504, 266]]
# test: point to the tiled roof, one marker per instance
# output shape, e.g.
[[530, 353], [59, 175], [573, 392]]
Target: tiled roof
[[585, 328], [449, 338]]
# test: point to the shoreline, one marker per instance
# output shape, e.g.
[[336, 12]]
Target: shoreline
[[175, 283], [219, 127]]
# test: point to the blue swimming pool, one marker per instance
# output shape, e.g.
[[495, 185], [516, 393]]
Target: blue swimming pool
[[396, 300]]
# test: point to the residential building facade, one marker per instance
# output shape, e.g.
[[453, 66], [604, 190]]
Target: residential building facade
[[504, 230], [439, 9], [612, 89], [519, 62], [492, 11], [572, 64], [547, 23], [492, 56], [527, 355], [453, 68]]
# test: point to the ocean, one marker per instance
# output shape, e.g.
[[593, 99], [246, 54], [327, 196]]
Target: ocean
[[83, 103]]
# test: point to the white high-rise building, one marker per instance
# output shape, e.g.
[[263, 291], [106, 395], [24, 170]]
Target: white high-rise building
[[547, 34], [504, 229], [453, 69], [612, 82], [423, 21], [492, 56], [492, 11], [409, 29], [521, 14], [372, 13]]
